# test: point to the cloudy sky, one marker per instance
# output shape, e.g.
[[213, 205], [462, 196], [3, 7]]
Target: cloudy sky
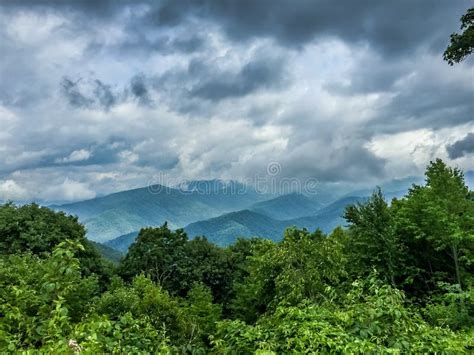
[[97, 97]]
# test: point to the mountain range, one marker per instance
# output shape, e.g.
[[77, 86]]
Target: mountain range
[[220, 210], [124, 212], [225, 229], [260, 220]]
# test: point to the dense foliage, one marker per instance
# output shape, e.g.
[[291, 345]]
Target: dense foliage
[[462, 44], [398, 279], [35, 229]]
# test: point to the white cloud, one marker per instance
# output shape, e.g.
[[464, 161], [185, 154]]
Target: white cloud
[[409, 152], [75, 156], [68, 190], [10, 190]]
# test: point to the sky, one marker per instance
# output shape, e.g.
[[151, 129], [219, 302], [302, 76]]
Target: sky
[[103, 96]]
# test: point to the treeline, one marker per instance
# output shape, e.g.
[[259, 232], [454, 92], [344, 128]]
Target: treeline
[[398, 279]]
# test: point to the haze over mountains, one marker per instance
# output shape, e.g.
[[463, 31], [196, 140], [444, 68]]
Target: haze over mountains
[[268, 218], [123, 212], [225, 229], [220, 210]]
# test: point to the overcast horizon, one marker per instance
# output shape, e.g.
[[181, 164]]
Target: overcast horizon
[[99, 97]]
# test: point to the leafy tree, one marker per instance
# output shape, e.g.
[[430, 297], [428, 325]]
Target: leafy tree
[[256, 291], [35, 229], [373, 243], [239, 259], [202, 312], [169, 258], [209, 264], [240, 252], [372, 318], [41, 298], [308, 293], [303, 266], [144, 298], [155, 252], [462, 44], [126, 335], [453, 307], [436, 223]]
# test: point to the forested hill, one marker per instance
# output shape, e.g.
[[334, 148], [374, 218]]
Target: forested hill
[[124, 212], [260, 221], [225, 229], [288, 206]]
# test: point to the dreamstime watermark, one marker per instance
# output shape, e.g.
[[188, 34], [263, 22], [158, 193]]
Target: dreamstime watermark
[[269, 182]]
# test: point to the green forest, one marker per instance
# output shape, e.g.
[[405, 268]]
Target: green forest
[[397, 278]]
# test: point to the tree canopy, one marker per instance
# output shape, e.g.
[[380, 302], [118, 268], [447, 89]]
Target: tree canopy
[[462, 44]]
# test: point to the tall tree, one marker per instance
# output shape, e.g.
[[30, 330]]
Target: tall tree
[[436, 222], [156, 252], [373, 243], [169, 258]]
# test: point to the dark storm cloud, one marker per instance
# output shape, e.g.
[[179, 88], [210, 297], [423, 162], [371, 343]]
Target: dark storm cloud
[[462, 147], [188, 45], [93, 93], [349, 163], [374, 75], [90, 93], [159, 160], [104, 94], [102, 8], [96, 154], [394, 27], [104, 153], [423, 102], [139, 89], [107, 11], [262, 73], [138, 41], [73, 94], [195, 89]]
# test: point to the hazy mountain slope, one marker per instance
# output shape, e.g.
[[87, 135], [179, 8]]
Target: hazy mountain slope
[[287, 207], [328, 217], [124, 212], [108, 253], [223, 230], [123, 242], [394, 188], [223, 195], [113, 215]]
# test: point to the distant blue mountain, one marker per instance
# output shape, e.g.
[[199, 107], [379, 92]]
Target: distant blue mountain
[[328, 217], [287, 207], [123, 242], [221, 210], [225, 229], [124, 212], [261, 220]]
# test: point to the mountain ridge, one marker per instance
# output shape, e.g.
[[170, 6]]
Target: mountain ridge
[[124, 212]]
